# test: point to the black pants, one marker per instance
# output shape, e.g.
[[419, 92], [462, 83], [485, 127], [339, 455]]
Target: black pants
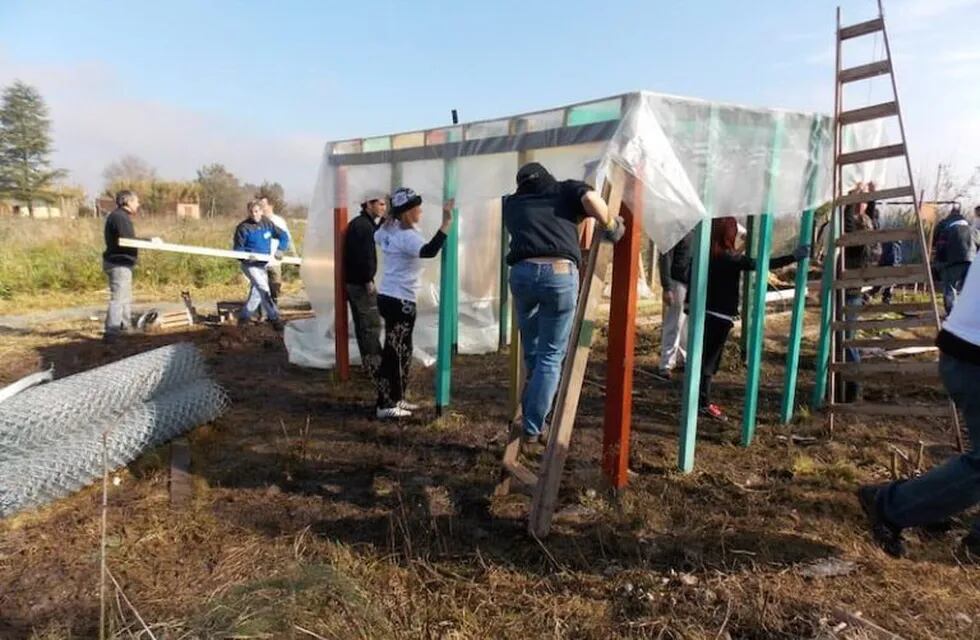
[[716, 332], [396, 357], [367, 326]]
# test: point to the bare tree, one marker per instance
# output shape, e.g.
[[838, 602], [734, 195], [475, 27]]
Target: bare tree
[[128, 169]]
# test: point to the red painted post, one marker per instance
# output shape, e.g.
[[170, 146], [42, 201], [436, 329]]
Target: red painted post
[[341, 335], [622, 339]]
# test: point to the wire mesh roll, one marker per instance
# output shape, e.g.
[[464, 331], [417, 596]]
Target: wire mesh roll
[[48, 412], [45, 474]]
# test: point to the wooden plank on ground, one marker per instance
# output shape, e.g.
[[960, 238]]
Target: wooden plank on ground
[[888, 323], [893, 409], [181, 487], [573, 371]]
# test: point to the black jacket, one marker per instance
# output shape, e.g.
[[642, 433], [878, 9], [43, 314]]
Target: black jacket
[[725, 280], [360, 254], [676, 263], [959, 240], [118, 224], [545, 225]]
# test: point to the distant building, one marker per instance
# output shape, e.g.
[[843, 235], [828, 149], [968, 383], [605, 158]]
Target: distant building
[[65, 205]]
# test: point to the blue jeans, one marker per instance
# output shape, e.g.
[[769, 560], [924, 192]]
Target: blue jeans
[[259, 294], [953, 486], [545, 304]]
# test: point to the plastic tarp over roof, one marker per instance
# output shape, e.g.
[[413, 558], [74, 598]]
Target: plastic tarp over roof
[[694, 159]]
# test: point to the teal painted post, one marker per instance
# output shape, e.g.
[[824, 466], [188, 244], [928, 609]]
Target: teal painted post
[[760, 285], [695, 320], [802, 271], [826, 312], [448, 285], [504, 313]]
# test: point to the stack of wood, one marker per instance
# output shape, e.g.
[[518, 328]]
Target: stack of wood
[[173, 320]]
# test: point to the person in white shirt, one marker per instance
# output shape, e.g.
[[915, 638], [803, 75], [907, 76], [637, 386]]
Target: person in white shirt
[[403, 248], [274, 267]]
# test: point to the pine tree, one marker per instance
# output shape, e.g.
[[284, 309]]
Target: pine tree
[[25, 146]]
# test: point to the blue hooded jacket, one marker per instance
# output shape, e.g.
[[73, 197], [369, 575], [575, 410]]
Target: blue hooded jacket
[[256, 237]]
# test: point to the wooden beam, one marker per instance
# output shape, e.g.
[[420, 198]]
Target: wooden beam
[[874, 236], [854, 370], [573, 371], [622, 340], [879, 195], [892, 323], [133, 243]]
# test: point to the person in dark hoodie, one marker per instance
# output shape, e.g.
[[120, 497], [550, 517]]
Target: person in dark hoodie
[[725, 269], [360, 268], [542, 219], [254, 234], [958, 241]]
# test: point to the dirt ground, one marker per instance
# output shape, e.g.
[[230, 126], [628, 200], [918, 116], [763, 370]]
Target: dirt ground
[[310, 519]]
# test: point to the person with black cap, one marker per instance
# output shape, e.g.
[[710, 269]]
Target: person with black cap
[[360, 267], [542, 219], [403, 248]]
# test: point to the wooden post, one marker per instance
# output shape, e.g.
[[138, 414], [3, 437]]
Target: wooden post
[[448, 284], [802, 273], [751, 250], [341, 335], [826, 312], [698, 291], [622, 338], [761, 284], [503, 316]]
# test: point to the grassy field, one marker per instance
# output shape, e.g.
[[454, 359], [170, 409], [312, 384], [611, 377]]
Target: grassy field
[[47, 264]]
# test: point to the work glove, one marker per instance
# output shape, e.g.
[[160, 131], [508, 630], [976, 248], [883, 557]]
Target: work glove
[[801, 252], [616, 232]]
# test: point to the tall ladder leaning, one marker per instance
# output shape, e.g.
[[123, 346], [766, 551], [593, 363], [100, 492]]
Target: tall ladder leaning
[[544, 484], [873, 316]]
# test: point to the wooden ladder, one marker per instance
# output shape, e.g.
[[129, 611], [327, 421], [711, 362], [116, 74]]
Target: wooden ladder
[[544, 484], [877, 316]]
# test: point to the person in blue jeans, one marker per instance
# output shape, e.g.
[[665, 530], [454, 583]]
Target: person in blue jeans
[[254, 234], [542, 218], [954, 486]]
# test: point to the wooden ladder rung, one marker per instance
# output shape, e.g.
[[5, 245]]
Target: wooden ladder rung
[[891, 307], [867, 155], [521, 473], [861, 29], [880, 194], [891, 323], [884, 281], [874, 236], [865, 71], [889, 343], [891, 409], [874, 112], [881, 272], [870, 369]]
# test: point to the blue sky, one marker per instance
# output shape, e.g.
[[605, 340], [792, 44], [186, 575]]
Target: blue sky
[[261, 86]]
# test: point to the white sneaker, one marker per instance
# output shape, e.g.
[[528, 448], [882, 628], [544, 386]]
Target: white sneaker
[[407, 406], [393, 412]]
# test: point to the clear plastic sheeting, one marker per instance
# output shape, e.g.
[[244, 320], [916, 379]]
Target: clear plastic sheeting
[[678, 150]]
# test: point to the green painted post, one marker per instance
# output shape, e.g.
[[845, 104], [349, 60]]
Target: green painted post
[[504, 314], [760, 285], [802, 271], [696, 312], [448, 284], [826, 313]]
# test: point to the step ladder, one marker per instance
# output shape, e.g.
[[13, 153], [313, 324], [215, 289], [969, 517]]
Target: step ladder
[[544, 484], [849, 321]]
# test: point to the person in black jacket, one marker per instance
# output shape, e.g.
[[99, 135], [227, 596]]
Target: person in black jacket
[[542, 219], [360, 267], [725, 269], [675, 268], [118, 263]]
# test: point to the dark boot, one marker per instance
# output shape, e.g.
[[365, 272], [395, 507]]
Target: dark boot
[[886, 535]]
